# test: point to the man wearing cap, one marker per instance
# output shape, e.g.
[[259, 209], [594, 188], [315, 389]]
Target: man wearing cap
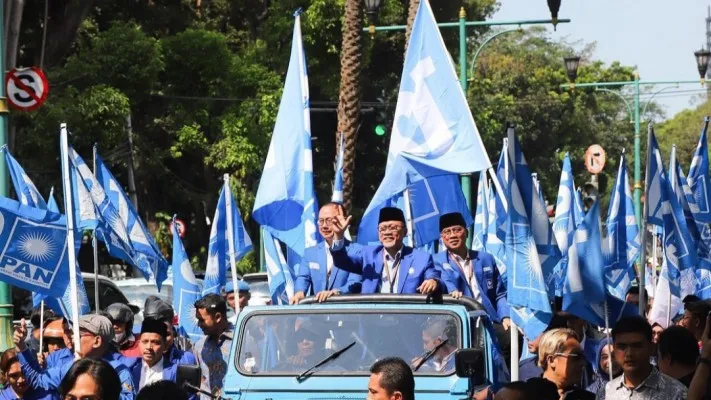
[[389, 267], [154, 366], [470, 273], [318, 274], [96, 335], [122, 319], [241, 302]]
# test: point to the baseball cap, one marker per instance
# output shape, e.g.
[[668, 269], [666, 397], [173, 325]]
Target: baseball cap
[[97, 325]]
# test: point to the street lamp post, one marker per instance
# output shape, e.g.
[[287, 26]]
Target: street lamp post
[[462, 25], [571, 66]]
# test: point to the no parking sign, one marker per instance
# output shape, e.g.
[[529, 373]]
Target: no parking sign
[[26, 88]]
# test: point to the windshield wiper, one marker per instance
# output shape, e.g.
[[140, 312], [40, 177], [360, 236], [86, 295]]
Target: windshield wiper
[[428, 354], [303, 375]]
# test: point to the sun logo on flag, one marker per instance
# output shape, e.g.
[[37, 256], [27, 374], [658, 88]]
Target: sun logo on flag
[[36, 246]]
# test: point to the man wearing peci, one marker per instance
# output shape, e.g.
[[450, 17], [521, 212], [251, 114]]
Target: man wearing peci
[[468, 272], [389, 267], [318, 274]]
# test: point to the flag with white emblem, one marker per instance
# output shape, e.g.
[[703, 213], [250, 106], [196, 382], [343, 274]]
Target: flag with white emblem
[[698, 177], [26, 190], [186, 290], [279, 274]]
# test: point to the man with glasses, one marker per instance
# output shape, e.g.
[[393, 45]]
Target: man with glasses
[[389, 267], [561, 357], [470, 273], [317, 273]]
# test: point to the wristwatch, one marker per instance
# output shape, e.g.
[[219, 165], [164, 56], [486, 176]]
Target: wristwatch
[[703, 360]]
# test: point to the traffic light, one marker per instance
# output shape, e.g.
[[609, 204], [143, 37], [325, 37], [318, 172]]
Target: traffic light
[[381, 117], [590, 193]]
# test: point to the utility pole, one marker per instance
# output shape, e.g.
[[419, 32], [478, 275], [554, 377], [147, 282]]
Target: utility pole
[[131, 179], [6, 309]]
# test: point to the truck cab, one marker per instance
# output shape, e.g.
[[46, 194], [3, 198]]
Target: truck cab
[[278, 352]]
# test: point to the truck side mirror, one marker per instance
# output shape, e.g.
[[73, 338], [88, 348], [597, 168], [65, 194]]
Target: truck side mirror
[[470, 363], [188, 377]]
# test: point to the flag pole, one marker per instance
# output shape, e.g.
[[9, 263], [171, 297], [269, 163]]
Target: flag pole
[[230, 233], [408, 218], [94, 245], [41, 339], [514, 351], [607, 333], [71, 251], [643, 239]]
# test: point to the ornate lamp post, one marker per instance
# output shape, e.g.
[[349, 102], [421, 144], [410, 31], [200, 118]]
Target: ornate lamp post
[[372, 8]]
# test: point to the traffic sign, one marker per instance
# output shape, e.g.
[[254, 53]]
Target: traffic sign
[[181, 227], [595, 159], [26, 88]]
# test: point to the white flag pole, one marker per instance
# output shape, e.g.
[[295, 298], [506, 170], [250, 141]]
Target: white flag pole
[[230, 233], [41, 340], [94, 244], [408, 218], [514, 351], [71, 251]]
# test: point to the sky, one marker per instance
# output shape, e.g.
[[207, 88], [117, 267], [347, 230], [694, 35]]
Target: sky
[[657, 36]]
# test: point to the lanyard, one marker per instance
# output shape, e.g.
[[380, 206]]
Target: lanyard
[[396, 268]]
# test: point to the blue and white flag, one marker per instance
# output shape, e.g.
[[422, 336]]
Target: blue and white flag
[[433, 130], [285, 204], [33, 254], [337, 196], [565, 222], [667, 302], [527, 293], [220, 253], [504, 174], [481, 217], [495, 244], [52, 202], [26, 190], [539, 190], [698, 178], [110, 227], [279, 274], [546, 246], [186, 290], [141, 239], [622, 245]]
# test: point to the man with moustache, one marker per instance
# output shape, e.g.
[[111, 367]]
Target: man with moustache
[[389, 267], [318, 274]]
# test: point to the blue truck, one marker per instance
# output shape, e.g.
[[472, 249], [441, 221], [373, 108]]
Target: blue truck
[[324, 351]]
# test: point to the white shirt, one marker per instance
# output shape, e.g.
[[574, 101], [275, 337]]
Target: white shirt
[[150, 374], [389, 276], [468, 269], [329, 266]]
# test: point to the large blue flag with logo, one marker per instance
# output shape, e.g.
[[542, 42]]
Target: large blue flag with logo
[[546, 246], [622, 245], [141, 239], [26, 190], [33, 254], [279, 273], [527, 292], [110, 227], [433, 132], [285, 204], [220, 252], [698, 177], [566, 222], [186, 290]]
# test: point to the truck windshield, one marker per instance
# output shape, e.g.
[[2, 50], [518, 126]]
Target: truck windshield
[[288, 343]]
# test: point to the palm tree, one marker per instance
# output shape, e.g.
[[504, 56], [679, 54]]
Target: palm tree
[[350, 92], [411, 13]]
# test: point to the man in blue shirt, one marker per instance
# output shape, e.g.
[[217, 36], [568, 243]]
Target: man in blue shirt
[[96, 335], [213, 351], [389, 267], [318, 274]]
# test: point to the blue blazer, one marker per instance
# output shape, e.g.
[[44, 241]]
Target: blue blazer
[[311, 276], [170, 372], [416, 267], [492, 289]]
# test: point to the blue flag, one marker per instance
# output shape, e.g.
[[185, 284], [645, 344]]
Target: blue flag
[[27, 192], [220, 253], [565, 223], [622, 245], [110, 227], [546, 246], [527, 293], [285, 204], [186, 290], [52, 202], [698, 178], [279, 274], [143, 243], [33, 255], [433, 129], [337, 196], [481, 216]]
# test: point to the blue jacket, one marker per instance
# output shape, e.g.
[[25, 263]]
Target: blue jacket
[[170, 373], [50, 379], [491, 287], [59, 358], [30, 394], [311, 276], [416, 267], [182, 357]]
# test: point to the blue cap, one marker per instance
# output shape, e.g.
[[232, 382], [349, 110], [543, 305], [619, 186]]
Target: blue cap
[[241, 285]]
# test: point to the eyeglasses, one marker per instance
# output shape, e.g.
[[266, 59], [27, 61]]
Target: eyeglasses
[[455, 230], [389, 228], [573, 356], [15, 376], [326, 221]]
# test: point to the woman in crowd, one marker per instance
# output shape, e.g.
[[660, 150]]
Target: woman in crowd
[[602, 366], [90, 379], [17, 386]]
